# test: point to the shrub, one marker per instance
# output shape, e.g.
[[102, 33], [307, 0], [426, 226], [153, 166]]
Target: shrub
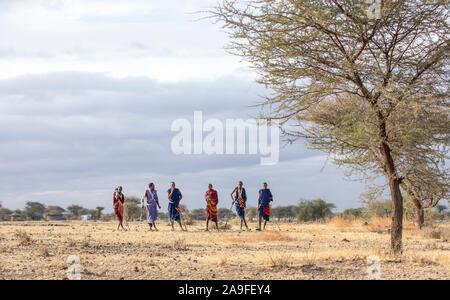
[[23, 238], [179, 244], [314, 210], [353, 214], [435, 233], [43, 251], [280, 260]]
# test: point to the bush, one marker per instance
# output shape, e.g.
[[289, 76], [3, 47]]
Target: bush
[[5, 214], [314, 210], [378, 209], [132, 208], [198, 214], [353, 214], [179, 244], [35, 210], [284, 212], [23, 238]]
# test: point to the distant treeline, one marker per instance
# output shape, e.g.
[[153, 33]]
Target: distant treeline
[[304, 211], [36, 211]]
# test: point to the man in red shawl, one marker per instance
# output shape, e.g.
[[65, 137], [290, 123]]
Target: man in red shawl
[[211, 210], [118, 201]]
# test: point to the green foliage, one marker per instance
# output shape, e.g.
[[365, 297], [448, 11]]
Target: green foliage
[[132, 208], [284, 212], [198, 214], [98, 212], [371, 92], [251, 213], [225, 214], [353, 213], [314, 210], [76, 211], [34, 210], [57, 209], [5, 214], [442, 209], [381, 209]]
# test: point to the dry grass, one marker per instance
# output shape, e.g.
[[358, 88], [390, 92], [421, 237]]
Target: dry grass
[[43, 251], [280, 260], [225, 226], [436, 233], [223, 261], [71, 243], [339, 223], [179, 244], [379, 225], [85, 244], [266, 237], [336, 250], [432, 233], [23, 238]]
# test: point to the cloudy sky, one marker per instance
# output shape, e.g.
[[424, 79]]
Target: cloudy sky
[[88, 93]]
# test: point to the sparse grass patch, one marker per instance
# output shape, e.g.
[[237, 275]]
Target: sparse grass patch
[[430, 258], [339, 222], [306, 251], [71, 243], [5, 249], [225, 226], [310, 255], [179, 244], [85, 244], [432, 233], [43, 251], [280, 260], [223, 261], [267, 237], [23, 238], [379, 225]]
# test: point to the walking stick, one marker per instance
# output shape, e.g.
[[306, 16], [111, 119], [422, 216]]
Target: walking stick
[[125, 213], [276, 223], [182, 218], [231, 209]]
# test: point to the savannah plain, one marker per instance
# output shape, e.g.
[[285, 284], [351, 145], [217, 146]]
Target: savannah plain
[[338, 249]]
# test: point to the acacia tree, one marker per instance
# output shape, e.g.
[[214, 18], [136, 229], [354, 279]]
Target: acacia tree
[[317, 53], [419, 143], [426, 187]]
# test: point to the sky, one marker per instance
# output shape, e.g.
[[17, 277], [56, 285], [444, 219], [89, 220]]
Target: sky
[[88, 93]]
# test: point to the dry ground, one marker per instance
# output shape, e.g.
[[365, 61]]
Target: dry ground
[[337, 250]]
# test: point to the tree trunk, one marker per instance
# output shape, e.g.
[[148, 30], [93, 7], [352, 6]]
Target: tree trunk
[[396, 195], [419, 206], [420, 216], [397, 218]]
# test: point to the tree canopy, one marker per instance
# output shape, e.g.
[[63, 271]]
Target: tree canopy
[[349, 82]]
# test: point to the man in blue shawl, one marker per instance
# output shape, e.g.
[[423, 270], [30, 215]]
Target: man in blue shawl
[[264, 199], [239, 197], [175, 197]]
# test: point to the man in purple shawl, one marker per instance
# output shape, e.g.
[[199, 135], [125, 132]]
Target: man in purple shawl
[[151, 202]]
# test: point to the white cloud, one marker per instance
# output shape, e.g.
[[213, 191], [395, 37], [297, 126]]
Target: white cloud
[[88, 91], [166, 43]]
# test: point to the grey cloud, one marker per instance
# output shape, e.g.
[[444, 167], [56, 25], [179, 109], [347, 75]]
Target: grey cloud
[[67, 134]]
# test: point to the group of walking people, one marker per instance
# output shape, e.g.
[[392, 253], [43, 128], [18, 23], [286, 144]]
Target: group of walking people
[[150, 202]]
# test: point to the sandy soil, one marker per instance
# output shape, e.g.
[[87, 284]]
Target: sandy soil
[[299, 251]]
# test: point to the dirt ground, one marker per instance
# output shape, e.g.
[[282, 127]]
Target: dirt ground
[[337, 250]]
